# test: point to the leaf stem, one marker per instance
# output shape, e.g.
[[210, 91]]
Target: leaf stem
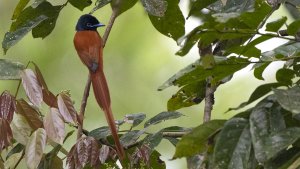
[[19, 160]]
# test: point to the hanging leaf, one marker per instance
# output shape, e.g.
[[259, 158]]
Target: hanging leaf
[[80, 4], [276, 25], [5, 134], [54, 126], [7, 106], [233, 146], [162, 117], [49, 98], [289, 99], [134, 119], [40, 77], [195, 142], [121, 6], [10, 70], [259, 68], [172, 22], [155, 7], [285, 76], [31, 115], [66, 108], [35, 148], [21, 129], [32, 87], [20, 6]]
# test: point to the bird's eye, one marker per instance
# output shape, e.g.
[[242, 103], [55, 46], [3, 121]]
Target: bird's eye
[[89, 25]]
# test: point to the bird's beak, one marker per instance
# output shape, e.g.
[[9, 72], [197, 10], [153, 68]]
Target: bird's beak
[[98, 25]]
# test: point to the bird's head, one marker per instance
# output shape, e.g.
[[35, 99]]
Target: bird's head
[[88, 22]]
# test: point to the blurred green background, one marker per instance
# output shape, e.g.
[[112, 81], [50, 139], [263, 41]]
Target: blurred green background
[[137, 60]]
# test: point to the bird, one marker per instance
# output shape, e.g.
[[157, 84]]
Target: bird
[[89, 46]]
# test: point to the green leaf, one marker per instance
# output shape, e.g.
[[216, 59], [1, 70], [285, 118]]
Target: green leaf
[[155, 161], [172, 23], [16, 149], [195, 142], [100, 133], [155, 7], [197, 6], [289, 99], [21, 5], [187, 96], [276, 25], [233, 146], [121, 6], [288, 49], [13, 37], [259, 69], [162, 117], [153, 140], [131, 137], [10, 70], [259, 92], [285, 76], [293, 28], [99, 4], [285, 159], [80, 4], [135, 119]]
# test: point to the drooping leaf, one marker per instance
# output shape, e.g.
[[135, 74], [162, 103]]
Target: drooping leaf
[[35, 148], [32, 87], [259, 68], [100, 133], [104, 153], [195, 142], [31, 115], [289, 99], [162, 117], [121, 6], [285, 76], [21, 129], [197, 6], [99, 4], [5, 134], [20, 6], [54, 126], [7, 106], [49, 98], [276, 25], [293, 28], [155, 7], [10, 70], [80, 4], [14, 36], [233, 146], [66, 108], [131, 137], [135, 119], [187, 96], [40, 77], [172, 23]]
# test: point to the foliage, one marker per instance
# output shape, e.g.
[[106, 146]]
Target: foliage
[[262, 136]]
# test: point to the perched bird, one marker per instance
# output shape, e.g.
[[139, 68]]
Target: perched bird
[[88, 44]]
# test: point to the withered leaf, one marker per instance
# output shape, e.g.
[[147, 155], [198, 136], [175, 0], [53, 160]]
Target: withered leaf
[[7, 106]]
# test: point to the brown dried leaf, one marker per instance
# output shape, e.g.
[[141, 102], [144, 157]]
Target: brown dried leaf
[[54, 126], [49, 98], [40, 77], [31, 115], [35, 148], [5, 134], [66, 108], [32, 87], [7, 106], [104, 153], [21, 129], [85, 151]]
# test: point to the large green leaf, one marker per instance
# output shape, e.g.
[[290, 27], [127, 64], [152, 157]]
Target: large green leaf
[[155, 7], [276, 25], [233, 146], [197, 6], [289, 99], [162, 117], [187, 96], [195, 142], [293, 28], [172, 22], [285, 76], [80, 4], [10, 70]]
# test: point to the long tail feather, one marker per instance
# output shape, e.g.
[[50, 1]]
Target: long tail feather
[[101, 93]]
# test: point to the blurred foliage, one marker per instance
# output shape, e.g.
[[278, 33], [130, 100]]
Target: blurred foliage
[[227, 39]]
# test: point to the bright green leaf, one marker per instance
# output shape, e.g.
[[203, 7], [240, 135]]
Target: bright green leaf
[[289, 99], [10, 70], [233, 146], [21, 5], [293, 28], [155, 161], [276, 25], [80, 4], [155, 7], [162, 117], [195, 142]]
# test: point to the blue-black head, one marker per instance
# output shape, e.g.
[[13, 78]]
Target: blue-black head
[[88, 22]]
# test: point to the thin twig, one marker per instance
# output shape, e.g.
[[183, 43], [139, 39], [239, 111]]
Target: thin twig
[[88, 83], [19, 160]]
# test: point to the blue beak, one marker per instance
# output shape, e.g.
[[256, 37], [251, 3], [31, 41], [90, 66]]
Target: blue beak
[[98, 25]]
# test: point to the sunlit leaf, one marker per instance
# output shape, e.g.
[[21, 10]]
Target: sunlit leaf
[[35, 148], [172, 23], [135, 119], [5, 134], [195, 142], [121, 6], [21, 129], [7, 106], [289, 99], [80, 4], [14, 36], [54, 126], [276, 25], [32, 87], [162, 117], [10, 70], [233, 146], [155, 7], [31, 115], [20, 6], [66, 107]]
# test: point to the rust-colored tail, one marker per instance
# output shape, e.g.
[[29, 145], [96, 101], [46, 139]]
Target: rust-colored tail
[[101, 93]]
